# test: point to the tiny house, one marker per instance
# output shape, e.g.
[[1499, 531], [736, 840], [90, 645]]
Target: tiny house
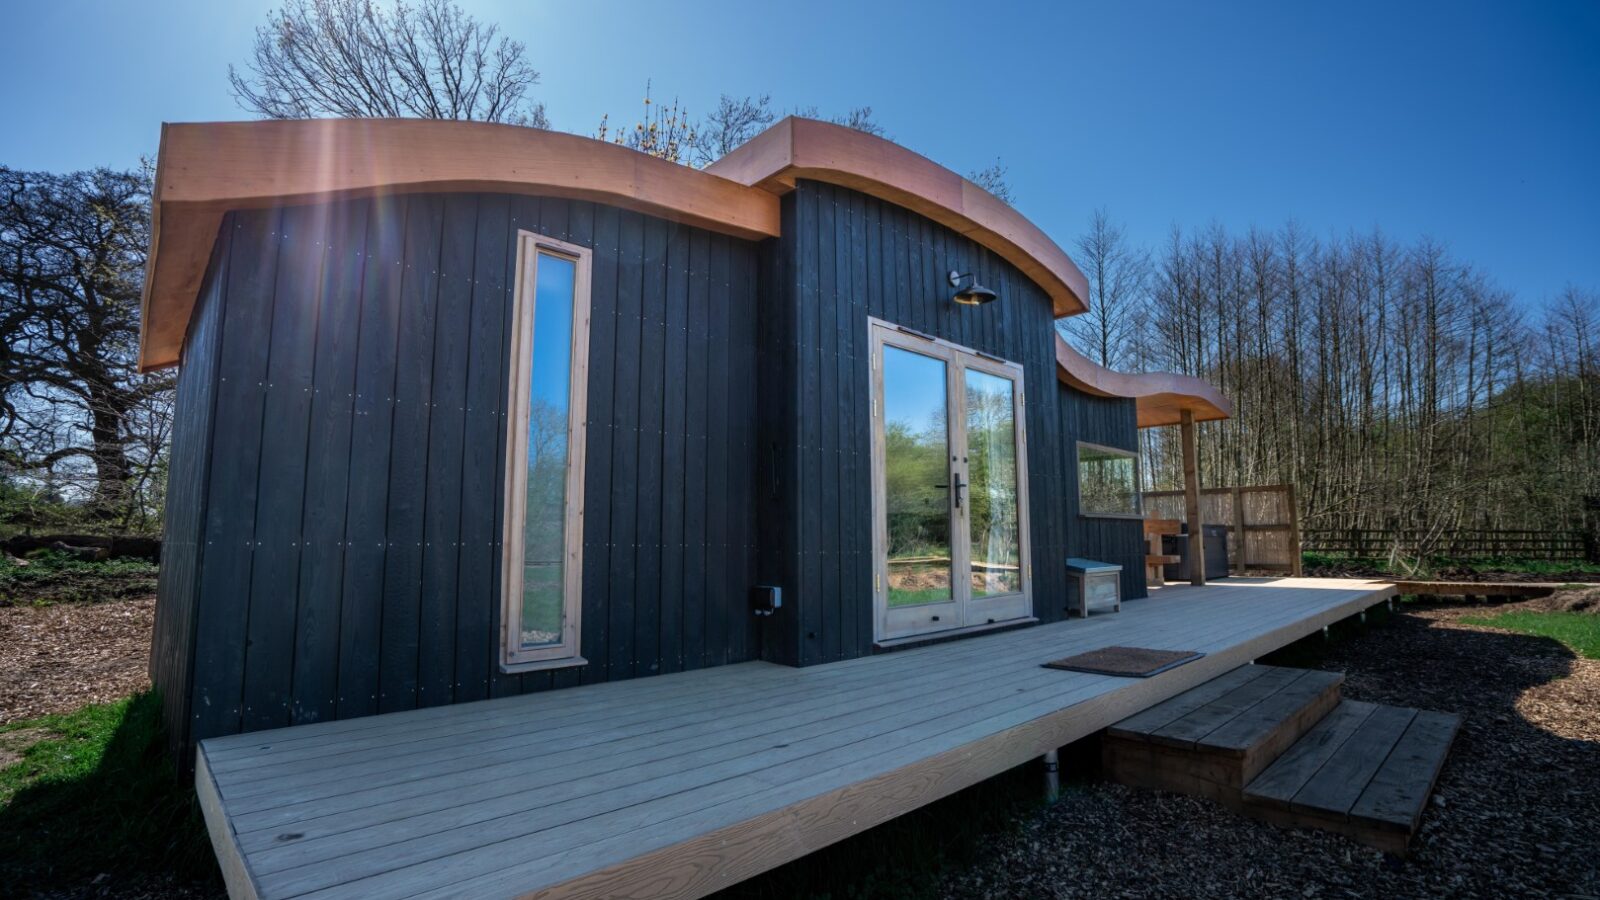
[[468, 411]]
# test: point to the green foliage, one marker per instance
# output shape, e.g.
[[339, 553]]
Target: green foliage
[[918, 514], [49, 577], [1435, 565], [912, 596], [98, 794], [1487, 565], [34, 509], [1580, 631]]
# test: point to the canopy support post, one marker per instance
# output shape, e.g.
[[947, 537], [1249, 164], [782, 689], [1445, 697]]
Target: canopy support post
[[1191, 496]]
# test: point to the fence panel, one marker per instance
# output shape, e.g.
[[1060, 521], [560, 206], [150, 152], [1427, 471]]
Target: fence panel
[[1264, 515], [1462, 543]]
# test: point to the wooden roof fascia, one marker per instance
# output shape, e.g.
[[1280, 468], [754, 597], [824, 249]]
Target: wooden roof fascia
[[205, 170], [1160, 397], [797, 148]]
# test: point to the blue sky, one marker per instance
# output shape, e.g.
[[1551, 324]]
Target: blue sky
[[1475, 123]]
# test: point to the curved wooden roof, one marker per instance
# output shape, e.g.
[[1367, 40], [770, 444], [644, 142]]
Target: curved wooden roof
[[1161, 397], [821, 151], [206, 169]]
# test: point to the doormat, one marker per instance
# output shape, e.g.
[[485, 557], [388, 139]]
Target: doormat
[[1129, 662]]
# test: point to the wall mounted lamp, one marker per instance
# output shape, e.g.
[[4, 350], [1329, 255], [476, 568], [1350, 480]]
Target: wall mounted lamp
[[974, 294]]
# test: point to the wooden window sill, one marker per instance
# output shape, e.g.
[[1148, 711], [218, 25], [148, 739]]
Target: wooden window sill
[[542, 665]]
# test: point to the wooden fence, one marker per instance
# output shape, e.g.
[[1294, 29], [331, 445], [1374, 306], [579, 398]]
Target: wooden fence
[[1468, 543], [1263, 514]]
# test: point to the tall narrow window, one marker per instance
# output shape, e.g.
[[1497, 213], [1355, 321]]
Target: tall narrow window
[[542, 577]]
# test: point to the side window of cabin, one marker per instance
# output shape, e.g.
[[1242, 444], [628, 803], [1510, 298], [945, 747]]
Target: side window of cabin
[[1108, 481]]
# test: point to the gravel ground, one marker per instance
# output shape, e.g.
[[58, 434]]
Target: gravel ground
[[54, 659], [1517, 811]]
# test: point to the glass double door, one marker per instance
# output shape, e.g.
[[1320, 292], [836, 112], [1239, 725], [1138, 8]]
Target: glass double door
[[950, 518]]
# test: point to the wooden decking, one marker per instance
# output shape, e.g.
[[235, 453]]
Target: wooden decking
[[1283, 746], [683, 784]]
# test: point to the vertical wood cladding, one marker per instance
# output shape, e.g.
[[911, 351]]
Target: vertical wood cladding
[[1112, 421], [334, 519], [334, 515], [172, 658], [846, 256]]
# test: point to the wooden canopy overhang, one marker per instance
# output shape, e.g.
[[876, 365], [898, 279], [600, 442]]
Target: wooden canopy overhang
[[1160, 397], [204, 170]]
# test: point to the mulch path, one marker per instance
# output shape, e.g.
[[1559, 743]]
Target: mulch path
[[1516, 813], [55, 659]]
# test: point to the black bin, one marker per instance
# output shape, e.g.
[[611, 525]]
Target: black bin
[[1216, 553]]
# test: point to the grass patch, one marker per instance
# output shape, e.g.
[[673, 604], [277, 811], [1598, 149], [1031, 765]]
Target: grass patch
[[94, 794], [50, 577], [1520, 566], [1579, 631]]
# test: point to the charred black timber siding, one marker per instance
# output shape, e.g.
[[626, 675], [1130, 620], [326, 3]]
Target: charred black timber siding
[[846, 256], [172, 659], [339, 449], [1113, 422]]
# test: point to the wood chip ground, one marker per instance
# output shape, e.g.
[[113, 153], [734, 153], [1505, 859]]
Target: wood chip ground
[[1517, 811], [55, 659]]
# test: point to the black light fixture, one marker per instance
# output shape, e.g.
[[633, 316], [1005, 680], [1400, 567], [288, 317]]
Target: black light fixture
[[974, 294]]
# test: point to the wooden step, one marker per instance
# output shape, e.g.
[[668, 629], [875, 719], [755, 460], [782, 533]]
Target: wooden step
[[1212, 740], [1365, 771]]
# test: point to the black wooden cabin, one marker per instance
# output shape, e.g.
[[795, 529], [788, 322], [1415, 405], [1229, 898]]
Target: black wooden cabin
[[356, 456]]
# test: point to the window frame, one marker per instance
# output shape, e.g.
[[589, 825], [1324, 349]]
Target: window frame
[[513, 657], [1077, 473]]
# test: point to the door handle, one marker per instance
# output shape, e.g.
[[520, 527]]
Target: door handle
[[959, 485]]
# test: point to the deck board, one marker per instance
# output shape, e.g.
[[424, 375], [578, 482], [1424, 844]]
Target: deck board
[[680, 784]]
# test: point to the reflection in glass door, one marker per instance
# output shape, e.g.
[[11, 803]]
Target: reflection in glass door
[[950, 518], [992, 464], [917, 498]]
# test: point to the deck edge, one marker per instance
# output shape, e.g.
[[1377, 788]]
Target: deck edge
[[235, 871], [729, 855]]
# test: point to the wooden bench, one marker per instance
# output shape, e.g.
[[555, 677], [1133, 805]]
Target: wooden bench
[[1155, 561]]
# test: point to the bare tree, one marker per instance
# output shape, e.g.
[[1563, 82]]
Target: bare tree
[[75, 416], [1117, 273], [1397, 386], [993, 179], [665, 132], [353, 59], [734, 121], [860, 118]]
